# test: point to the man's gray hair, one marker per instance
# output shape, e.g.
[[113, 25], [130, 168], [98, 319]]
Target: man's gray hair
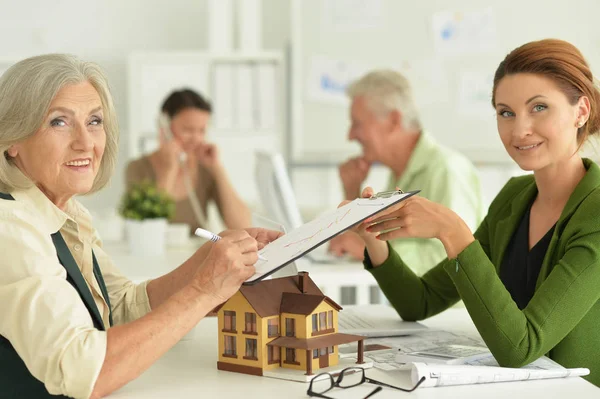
[[386, 90], [26, 90]]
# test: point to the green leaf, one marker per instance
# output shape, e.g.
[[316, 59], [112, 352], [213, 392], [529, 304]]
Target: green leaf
[[145, 201]]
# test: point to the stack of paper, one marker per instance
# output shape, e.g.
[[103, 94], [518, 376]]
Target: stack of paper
[[477, 369]]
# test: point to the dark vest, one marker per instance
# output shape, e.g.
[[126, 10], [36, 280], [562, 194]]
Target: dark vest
[[15, 380]]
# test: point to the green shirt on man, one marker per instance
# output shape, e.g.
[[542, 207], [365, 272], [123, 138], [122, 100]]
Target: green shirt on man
[[446, 177]]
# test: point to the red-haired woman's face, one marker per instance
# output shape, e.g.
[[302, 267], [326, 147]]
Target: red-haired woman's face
[[536, 122]]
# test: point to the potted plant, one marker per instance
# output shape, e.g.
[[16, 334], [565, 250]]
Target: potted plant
[[146, 210]]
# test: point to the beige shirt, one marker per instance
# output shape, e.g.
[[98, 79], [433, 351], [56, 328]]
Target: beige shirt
[[41, 314], [206, 190]]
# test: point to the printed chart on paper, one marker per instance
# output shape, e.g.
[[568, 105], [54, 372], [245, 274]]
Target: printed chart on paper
[[314, 233]]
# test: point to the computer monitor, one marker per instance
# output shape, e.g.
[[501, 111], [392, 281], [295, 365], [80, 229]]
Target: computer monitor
[[275, 190], [279, 203], [278, 200]]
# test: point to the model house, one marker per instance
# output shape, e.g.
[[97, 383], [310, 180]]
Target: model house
[[280, 323]]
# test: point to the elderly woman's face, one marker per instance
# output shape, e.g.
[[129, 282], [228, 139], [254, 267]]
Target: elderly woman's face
[[63, 156]]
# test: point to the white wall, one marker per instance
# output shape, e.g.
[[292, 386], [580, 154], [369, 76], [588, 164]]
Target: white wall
[[107, 31], [404, 39]]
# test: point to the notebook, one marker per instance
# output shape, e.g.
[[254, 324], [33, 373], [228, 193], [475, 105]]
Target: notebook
[[375, 321]]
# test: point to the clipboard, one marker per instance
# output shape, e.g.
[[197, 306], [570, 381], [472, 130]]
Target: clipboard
[[309, 236]]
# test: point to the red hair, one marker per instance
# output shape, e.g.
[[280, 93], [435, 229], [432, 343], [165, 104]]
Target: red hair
[[561, 62]]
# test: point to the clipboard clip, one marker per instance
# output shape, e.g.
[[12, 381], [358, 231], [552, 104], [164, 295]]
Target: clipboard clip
[[386, 194]]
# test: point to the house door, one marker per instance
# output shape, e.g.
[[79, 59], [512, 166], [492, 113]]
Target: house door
[[323, 357]]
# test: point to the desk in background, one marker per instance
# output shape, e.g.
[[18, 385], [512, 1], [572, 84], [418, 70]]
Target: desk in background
[[189, 370]]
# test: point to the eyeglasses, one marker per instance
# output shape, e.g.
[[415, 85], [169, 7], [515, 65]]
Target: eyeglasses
[[348, 378]]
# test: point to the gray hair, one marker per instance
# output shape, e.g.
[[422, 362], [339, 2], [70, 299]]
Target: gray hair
[[26, 90], [386, 90]]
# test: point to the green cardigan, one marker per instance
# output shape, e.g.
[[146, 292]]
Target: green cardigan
[[562, 320]]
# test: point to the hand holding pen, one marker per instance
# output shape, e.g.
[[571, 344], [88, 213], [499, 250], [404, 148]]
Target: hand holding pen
[[214, 238]]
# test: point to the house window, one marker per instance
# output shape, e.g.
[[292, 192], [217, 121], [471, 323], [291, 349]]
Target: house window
[[229, 321], [290, 327], [273, 327], [323, 321], [273, 354], [230, 342], [290, 355], [320, 321], [323, 351], [251, 346], [331, 351], [315, 353], [250, 322]]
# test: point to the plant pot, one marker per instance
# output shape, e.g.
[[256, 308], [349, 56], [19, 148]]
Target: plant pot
[[146, 237]]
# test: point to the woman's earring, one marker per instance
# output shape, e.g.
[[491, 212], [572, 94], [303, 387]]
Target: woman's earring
[[11, 152], [580, 123]]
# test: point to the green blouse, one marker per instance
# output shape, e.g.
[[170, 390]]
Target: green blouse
[[562, 320]]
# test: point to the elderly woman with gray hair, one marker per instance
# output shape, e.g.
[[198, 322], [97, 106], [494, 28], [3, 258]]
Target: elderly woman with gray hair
[[70, 323]]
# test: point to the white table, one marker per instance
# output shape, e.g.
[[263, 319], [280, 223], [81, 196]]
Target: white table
[[189, 370]]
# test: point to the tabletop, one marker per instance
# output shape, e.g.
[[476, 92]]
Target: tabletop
[[189, 370]]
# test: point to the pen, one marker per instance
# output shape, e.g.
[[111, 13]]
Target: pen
[[214, 237]]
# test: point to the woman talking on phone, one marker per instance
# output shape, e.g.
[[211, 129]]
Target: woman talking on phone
[[186, 164]]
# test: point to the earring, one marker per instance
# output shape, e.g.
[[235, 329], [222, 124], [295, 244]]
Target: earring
[[11, 152], [580, 123]]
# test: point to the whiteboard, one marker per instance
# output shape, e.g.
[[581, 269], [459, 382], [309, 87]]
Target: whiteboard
[[309, 236], [452, 85]]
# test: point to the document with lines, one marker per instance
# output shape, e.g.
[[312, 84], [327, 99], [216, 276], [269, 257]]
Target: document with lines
[[310, 235], [439, 375]]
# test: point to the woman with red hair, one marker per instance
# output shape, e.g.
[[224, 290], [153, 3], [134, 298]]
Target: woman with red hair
[[530, 275]]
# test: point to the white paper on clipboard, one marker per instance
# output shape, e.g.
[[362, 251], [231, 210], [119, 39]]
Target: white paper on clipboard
[[309, 236]]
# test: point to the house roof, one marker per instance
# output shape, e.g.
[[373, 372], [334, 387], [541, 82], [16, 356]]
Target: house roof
[[303, 303], [271, 297], [315, 343]]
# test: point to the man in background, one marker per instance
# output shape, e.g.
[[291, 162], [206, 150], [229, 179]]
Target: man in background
[[385, 122]]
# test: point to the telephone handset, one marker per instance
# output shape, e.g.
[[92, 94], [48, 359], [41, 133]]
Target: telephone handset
[[164, 123]]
